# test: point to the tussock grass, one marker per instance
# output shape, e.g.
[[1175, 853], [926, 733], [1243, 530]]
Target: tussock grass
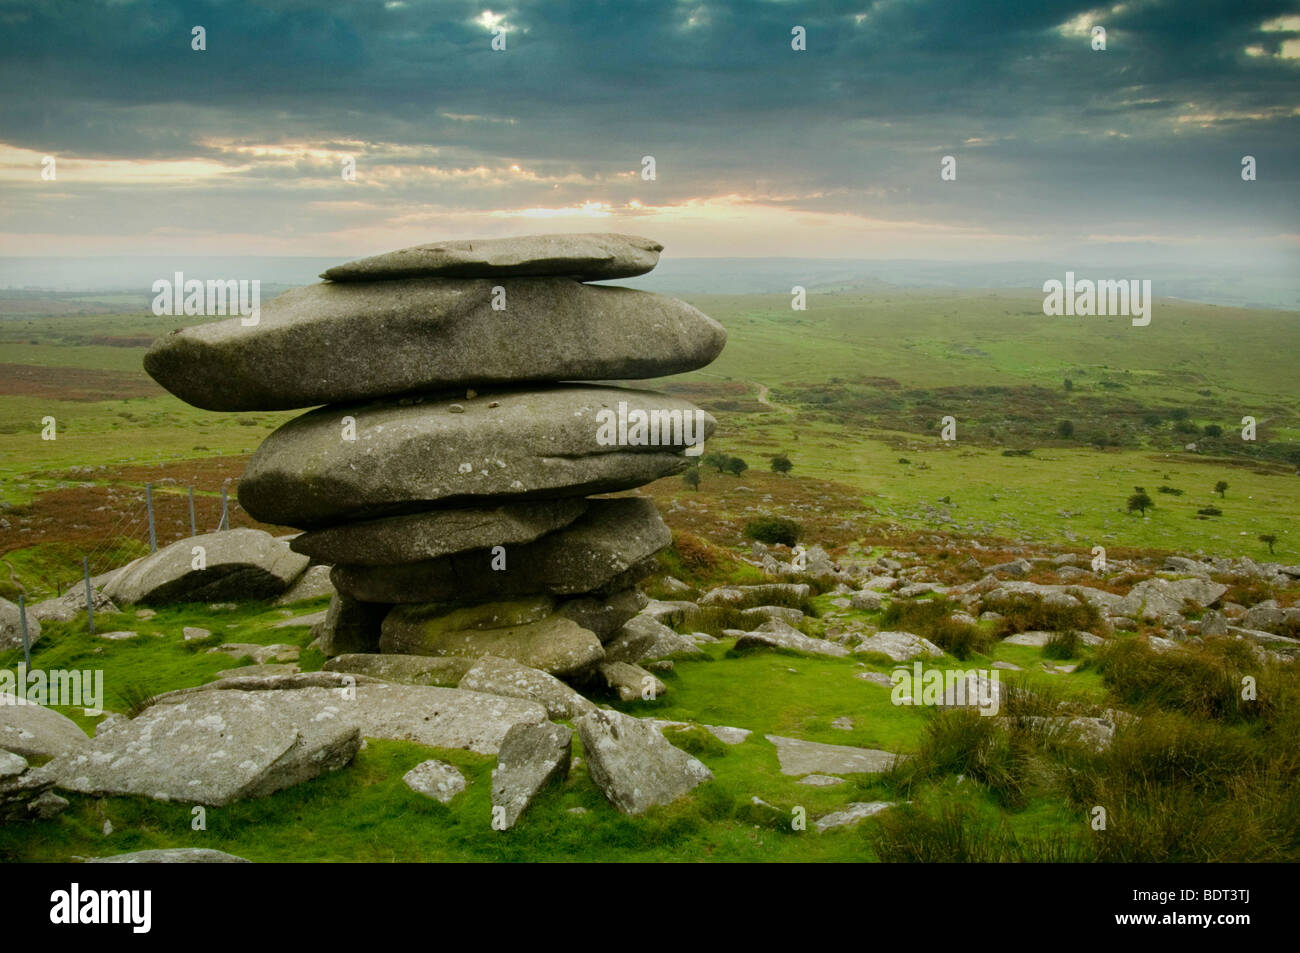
[[932, 618], [1202, 679], [955, 834], [1030, 613]]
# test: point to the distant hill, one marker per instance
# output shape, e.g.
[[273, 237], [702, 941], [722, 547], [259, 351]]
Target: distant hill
[[1262, 286]]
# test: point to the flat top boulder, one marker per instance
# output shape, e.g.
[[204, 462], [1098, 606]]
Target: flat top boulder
[[240, 564], [213, 747], [336, 343], [172, 855], [427, 715], [422, 453], [899, 646], [810, 757], [591, 256]]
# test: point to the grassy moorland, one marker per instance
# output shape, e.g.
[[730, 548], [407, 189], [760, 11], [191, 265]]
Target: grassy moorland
[[854, 391]]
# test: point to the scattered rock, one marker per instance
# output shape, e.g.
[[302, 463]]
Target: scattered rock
[[241, 564], [810, 757], [213, 748], [435, 779], [820, 780], [172, 855], [499, 676], [779, 635], [855, 812], [531, 757], [633, 764], [34, 731], [899, 646]]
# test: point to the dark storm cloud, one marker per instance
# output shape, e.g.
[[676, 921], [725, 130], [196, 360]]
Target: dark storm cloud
[[713, 90]]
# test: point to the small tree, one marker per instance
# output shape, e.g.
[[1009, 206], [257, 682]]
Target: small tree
[[1065, 429], [736, 466], [716, 460], [1268, 539], [1140, 502], [1221, 487], [781, 464], [1213, 430], [1069, 384], [692, 478]]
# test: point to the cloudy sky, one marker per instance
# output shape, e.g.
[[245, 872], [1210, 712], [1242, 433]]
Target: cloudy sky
[[759, 150]]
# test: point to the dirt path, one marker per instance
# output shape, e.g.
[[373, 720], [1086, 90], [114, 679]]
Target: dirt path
[[763, 391]]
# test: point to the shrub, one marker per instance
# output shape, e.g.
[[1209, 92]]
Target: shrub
[[694, 552], [1209, 511], [1200, 680], [773, 530], [962, 741], [1022, 612]]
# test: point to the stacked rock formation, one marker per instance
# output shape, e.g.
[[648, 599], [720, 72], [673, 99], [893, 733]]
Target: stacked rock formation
[[449, 477]]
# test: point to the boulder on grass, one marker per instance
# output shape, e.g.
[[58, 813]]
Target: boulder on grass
[[633, 764], [238, 565]]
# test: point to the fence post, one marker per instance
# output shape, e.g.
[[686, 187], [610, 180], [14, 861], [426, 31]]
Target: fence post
[[90, 596], [148, 502], [225, 512], [22, 622], [194, 530]]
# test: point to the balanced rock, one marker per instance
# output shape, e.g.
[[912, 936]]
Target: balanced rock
[[317, 345], [588, 257], [418, 536], [240, 564], [604, 549], [418, 453]]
